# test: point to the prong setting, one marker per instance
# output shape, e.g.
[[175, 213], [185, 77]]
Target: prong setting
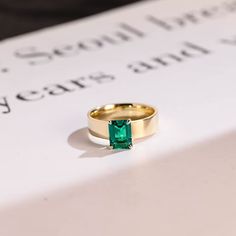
[[120, 134], [128, 121]]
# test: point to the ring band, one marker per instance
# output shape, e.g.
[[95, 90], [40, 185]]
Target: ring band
[[122, 123]]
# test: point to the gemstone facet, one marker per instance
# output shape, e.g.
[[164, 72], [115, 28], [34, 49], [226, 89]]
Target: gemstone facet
[[120, 134]]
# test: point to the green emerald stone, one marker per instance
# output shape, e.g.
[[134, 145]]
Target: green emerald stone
[[120, 134]]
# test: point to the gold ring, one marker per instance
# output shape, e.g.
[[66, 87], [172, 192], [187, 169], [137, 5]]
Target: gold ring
[[118, 125]]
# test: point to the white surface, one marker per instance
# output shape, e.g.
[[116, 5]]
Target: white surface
[[53, 181], [100, 141]]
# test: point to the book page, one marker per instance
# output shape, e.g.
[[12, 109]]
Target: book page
[[178, 56]]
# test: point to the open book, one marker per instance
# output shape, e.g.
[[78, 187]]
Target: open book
[[179, 56]]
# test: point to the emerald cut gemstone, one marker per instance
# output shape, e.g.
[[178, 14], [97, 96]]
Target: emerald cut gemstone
[[120, 134]]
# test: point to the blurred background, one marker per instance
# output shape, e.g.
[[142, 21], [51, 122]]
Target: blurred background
[[22, 16]]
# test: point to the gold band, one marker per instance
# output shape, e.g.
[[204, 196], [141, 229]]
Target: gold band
[[143, 119]]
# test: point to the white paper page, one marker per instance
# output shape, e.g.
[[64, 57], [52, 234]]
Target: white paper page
[[179, 56]]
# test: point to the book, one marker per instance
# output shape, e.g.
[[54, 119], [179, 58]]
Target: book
[[178, 56]]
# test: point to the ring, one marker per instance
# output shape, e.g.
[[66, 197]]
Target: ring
[[118, 125]]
